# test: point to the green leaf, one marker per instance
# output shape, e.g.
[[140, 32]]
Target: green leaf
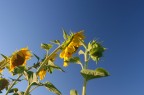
[[31, 76], [16, 79], [13, 90], [19, 70], [56, 42], [74, 60], [52, 88], [36, 65], [3, 64], [89, 46], [15, 94], [5, 57], [65, 35], [37, 84], [81, 52], [73, 92], [92, 74], [36, 57], [95, 58], [51, 66], [22, 93], [46, 46]]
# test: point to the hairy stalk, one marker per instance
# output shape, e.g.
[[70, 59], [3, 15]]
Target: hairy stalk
[[16, 81], [84, 87], [13, 84], [85, 67], [41, 66], [28, 89], [49, 57], [33, 88]]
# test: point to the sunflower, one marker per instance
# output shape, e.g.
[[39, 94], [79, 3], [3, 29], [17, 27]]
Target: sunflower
[[19, 58], [42, 73], [72, 47]]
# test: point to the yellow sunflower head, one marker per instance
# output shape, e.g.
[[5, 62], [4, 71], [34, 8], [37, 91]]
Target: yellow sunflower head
[[19, 58], [71, 46]]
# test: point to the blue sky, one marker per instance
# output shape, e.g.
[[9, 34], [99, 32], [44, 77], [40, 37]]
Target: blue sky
[[118, 24]]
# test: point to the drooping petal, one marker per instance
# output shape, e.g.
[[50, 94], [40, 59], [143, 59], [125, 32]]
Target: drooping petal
[[42, 74], [65, 64], [62, 54]]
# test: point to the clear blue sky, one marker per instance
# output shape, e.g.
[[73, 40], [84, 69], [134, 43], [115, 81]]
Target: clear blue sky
[[119, 24]]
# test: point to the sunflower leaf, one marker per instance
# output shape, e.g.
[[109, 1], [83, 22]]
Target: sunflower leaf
[[3, 64], [56, 67], [36, 57], [22, 93], [65, 35], [92, 74], [74, 60], [5, 57], [13, 90], [81, 52], [19, 70], [46, 46], [31, 76], [37, 84], [56, 42], [52, 88], [51, 66]]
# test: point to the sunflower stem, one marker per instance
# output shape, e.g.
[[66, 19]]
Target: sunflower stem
[[13, 84], [81, 65], [85, 67], [47, 58], [28, 89], [84, 87], [33, 88]]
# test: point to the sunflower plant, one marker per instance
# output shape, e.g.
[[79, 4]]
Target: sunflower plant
[[73, 43]]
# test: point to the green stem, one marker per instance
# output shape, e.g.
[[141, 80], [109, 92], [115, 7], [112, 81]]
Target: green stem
[[49, 57], [13, 84], [16, 81], [86, 59], [41, 66], [27, 90], [84, 87], [33, 88], [85, 67]]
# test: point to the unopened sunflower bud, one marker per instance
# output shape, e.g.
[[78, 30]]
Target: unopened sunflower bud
[[96, 50]]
